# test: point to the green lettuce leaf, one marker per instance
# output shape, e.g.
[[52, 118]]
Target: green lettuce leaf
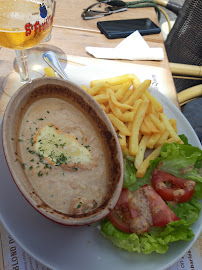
[[184, 161], [132, 182], [158, 238], [189, 211]]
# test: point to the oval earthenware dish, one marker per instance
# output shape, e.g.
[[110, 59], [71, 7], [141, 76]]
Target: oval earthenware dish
[[15, 125]]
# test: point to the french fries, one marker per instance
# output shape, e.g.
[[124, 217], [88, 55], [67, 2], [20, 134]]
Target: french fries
[[137, 117]]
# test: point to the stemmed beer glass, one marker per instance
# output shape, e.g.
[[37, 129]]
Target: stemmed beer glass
[[23, 24]]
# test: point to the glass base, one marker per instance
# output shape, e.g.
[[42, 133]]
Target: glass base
[[12, 82]]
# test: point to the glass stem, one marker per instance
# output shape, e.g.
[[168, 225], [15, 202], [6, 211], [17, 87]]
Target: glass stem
[[22, 58]]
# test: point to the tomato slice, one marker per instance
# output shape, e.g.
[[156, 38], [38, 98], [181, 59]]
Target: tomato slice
[[139, 210], [172, 188], [161, 213], [120, 216]]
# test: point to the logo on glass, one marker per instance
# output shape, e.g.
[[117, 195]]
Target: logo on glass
[[43, 11]]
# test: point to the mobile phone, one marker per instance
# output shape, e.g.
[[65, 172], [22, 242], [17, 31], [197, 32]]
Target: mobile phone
[[123, 28]]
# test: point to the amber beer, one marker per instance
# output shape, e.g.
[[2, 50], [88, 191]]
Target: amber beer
[[21, 26]]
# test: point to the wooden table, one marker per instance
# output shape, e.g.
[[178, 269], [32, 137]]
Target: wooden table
[[71, 34]]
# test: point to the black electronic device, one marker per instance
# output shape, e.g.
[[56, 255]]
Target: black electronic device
[[123, 28]]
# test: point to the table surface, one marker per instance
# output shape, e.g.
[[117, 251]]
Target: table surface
[[71, 34]]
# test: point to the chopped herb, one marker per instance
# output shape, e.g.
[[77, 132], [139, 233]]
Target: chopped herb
[[23, 165], [40, 119], [57, 128], [61, 159], [87, 146], [76, 138], [41, 150], [32, 141], [62, 144], [20, 140], [47, 111], [56, 145], [40, 173], [32, 152], [31, 167], [75, 169], [47, 166], [12, 139], [36, 128], [27, 121], [79, 205], [32, 160]]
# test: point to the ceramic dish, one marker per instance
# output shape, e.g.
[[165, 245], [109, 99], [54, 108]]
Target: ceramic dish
[[79, 104]]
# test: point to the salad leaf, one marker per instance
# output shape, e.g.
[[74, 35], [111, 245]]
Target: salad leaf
[[189, 211], [183, 161], [156, 240], [159, 237], [132, 182]]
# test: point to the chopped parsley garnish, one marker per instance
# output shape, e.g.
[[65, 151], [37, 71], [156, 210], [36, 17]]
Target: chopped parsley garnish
[[75, 169], [20, 140], [41, 119], [32, 141], [32, 160], [40, 173], [62, 144], [61, 159], [32, 152], [23, 165], [46, 165], [47, 111], [79, 205], [31, 167], [87, 146]]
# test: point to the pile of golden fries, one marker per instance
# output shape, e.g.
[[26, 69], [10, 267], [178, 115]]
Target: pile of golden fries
[[136, 115]]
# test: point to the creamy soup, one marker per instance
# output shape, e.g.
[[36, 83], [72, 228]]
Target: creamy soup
[[63, 156]]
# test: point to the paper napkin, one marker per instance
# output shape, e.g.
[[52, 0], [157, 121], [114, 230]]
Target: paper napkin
[[133, 47]]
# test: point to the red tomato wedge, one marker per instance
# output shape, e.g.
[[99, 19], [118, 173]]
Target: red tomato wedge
[[120, 216], [172, 188], [139, 210], [161, 213]]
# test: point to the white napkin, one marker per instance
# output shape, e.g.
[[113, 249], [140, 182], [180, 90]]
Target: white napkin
[[133, 47]]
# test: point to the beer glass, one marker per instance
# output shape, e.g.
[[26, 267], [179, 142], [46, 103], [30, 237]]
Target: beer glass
[[24, 24]]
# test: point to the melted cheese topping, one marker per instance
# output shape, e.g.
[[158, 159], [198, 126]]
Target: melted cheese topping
[[61, 149]]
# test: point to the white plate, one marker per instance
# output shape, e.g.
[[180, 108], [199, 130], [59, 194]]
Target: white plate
[[64, 248]]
